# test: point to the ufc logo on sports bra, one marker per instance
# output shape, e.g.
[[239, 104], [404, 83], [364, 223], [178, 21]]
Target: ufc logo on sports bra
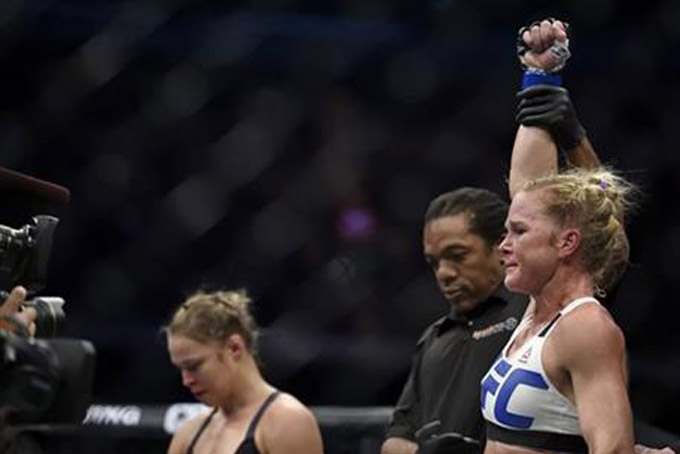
[[503, 390]]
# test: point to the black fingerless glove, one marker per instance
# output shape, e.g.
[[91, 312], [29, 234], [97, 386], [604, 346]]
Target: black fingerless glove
[[522, 47], [549, 107]]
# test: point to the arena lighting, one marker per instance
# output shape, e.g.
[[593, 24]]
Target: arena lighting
[[356, 223]]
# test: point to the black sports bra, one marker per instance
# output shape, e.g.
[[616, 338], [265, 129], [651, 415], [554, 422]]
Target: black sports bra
[[247, 446]]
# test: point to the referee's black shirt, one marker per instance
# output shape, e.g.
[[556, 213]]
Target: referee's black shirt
[[451, 358]]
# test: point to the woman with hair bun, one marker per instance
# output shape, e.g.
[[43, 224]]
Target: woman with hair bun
[[212, 340], [560, 383]]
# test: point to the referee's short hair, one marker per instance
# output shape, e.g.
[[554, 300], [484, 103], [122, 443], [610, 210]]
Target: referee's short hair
[[486, 210]]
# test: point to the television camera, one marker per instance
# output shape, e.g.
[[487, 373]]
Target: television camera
[[43, 379]]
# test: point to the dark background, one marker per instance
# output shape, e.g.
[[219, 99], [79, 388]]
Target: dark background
[[291, 147]]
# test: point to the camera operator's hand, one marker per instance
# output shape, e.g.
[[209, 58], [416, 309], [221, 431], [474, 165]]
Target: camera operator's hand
[[14, 317]]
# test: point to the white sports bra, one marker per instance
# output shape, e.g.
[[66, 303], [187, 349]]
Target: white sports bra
[[517, 395]]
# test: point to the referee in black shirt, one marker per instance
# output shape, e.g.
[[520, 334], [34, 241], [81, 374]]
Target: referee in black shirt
[[460, 238]]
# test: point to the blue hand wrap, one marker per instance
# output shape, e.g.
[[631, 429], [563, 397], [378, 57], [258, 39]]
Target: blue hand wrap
[[537, 77]]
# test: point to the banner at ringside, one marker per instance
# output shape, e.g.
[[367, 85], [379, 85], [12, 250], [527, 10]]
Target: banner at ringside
[[155, 417], [176, 414], [161, 420]]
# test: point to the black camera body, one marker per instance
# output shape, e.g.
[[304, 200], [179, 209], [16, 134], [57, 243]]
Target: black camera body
[[24, 255], [44, 379], [50, 315]]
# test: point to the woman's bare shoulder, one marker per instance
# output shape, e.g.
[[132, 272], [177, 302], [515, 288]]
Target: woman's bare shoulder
[[185, 432], [291, 426], [588, 332], [287, 405]]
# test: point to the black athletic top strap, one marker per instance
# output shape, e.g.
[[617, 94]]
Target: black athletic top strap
[[248, 444], [190, 449], [545, 330], [256, 419]]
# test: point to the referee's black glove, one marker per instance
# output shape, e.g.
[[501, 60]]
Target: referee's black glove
[[549, 107], [430, 441], [449, 443]]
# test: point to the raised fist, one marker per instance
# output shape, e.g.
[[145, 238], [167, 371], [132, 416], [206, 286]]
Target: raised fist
[[544, 45]]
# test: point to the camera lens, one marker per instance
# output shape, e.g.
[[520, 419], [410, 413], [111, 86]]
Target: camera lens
[[49, 315]]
